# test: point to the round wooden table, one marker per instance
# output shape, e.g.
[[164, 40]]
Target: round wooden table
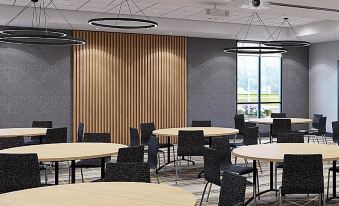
[[99, 194], [275, 153], [269, 121], [69, 152], [22, 132]]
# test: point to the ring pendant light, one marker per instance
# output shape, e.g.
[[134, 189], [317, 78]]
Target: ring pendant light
[[286, 43], [254, 49], [38, 35], [119, 22]]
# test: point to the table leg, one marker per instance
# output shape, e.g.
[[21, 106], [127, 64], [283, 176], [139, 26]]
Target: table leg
[[56, 170], [103, 167], [73, 171], [255, 172], [271, 175]]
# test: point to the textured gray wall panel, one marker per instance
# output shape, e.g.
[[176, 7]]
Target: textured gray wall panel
[[35, 84], [211, 81]]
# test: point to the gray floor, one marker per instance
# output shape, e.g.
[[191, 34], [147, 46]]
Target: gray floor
[[190, 182]]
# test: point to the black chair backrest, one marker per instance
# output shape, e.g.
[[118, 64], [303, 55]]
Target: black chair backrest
[[201, 123], [315, 120], [281, 126], [97, 137], [131, 154], [223, 147], [251, 136], [239, 124], [322, 126], [290, 138], [134, 137], [335, 130], [233, 188], [278, 115], [303, 174], [19, 172], [239, 116], [56, 135], [9, 142], [153, 148], [191, 143], [81, 132], [211, 166], [128, 172], [146, 130], [42, 124]]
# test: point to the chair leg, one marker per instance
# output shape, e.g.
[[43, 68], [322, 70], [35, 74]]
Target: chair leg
[[157, 176], [235, 160], [209, 191], [280, 197], [328, 182], [260, 167], [176, 170], [276, 179], [82, 176], [258, 185], [46, 177], [203, 193], [173, 153], [165, 166], [235, 138]]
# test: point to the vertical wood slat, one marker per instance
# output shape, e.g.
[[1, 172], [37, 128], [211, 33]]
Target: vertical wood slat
[[121, 80]]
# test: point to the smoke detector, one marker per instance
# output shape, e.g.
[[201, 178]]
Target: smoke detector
[[254, 4]]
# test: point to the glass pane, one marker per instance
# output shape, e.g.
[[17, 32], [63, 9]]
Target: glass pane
[[248, 75], [270, 79], [249, 110], [267, 109]]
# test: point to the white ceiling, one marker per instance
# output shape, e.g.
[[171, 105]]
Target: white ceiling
[[178, 16]]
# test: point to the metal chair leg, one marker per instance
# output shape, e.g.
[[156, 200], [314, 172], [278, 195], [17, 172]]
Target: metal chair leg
[[176, 171], [209, 191], [165, 166], [260, 167], [82, 176], [328, 182], [46, 177], [203, 193], [173, 153], [280, 197], [235, 138]]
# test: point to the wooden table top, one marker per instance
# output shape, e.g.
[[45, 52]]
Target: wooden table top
[[100, 194], [270, 120], [22, 132], [276, 152], [68, 151], [208, 131]]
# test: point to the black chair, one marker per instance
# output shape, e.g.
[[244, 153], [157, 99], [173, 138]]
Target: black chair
[[318, 130], [233, 188], [315, 121], [93, 163], [190, 143], [19, 172], [286, 138], [134, 137], [80, 132], [202, 123], [278, 115], [241, 125], [213, 166], [9, 142], [335, 132], [131, 154], [154, 157], [280, 126], [207, 123], [56, 135], [302, 174], [128, 172], [146, 130], [40, 124]]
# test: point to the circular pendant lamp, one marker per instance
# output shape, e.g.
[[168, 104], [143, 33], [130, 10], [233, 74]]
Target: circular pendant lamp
[[39, 35], [254, 49], [286, 43], [131, 22]]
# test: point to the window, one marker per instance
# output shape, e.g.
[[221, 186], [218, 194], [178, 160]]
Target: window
[[258, 83]]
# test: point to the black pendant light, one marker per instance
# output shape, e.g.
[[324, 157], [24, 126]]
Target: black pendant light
[[119, 22], [39, 34], [254, 49], [286, 43]]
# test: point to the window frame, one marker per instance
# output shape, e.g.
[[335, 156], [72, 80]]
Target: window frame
[[259, 103]]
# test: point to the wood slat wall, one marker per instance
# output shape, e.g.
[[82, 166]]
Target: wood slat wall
[[121, 80]]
